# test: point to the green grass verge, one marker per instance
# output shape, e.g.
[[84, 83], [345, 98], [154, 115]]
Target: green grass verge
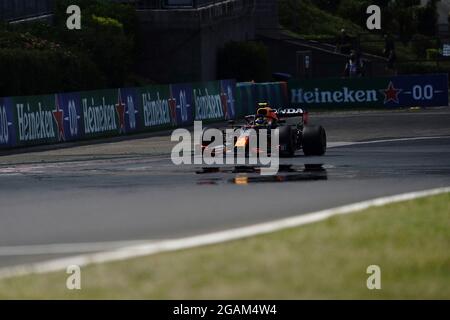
[[410, 241]]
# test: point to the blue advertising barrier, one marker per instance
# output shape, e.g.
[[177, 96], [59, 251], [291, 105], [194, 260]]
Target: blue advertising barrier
[[69, 112], [228, 92], [427, 90], [421, 90], [129, 100], [7, 128], [47, 119], [181, 101]]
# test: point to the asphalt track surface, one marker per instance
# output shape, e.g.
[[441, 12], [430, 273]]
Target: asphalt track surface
[[88, 198]]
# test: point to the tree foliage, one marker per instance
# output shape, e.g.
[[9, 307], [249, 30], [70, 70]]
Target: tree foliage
[[244, 61], [38, 57], [402, 17]]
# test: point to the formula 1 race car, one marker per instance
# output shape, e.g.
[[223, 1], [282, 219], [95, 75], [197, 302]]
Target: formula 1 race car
[[294, 133]]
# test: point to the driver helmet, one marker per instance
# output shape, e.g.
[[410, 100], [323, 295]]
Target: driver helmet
[[260, 120]]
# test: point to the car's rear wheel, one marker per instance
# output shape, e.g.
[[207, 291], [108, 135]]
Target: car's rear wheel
[[314, 141], [287, 143]]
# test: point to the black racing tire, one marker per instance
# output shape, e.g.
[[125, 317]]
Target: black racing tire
[[314, 141], [286, 141]]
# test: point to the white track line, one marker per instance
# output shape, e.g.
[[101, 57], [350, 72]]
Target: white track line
[[344, 144], [211, 238], [66, 248]]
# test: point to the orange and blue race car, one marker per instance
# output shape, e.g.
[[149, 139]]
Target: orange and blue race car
[[295, 133]]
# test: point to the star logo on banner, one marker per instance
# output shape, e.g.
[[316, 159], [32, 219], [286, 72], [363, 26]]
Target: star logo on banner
[[391, 94], [227, 99], [58, 115], [224, 100], [173, 107], [120, 109]]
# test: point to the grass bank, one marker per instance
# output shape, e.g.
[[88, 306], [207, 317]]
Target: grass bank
[[410, 242]]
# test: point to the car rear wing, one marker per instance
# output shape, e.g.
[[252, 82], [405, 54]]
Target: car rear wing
[[292, 114], [289, 112]]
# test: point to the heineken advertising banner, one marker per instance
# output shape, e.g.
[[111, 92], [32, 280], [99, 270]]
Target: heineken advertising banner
[[37, 120], [158, 107], [56, 118], [215, 100], [228, 93], [69, 113], [103, 113], [397, 91], [45, 119], [181, 97], [7, 133], [128, 100]]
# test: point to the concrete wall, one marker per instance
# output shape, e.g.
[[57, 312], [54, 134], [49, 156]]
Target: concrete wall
[[182, 45], [266, 15]]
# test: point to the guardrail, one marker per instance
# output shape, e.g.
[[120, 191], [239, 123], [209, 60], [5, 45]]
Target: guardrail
[[169, 4], [11, 10]]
